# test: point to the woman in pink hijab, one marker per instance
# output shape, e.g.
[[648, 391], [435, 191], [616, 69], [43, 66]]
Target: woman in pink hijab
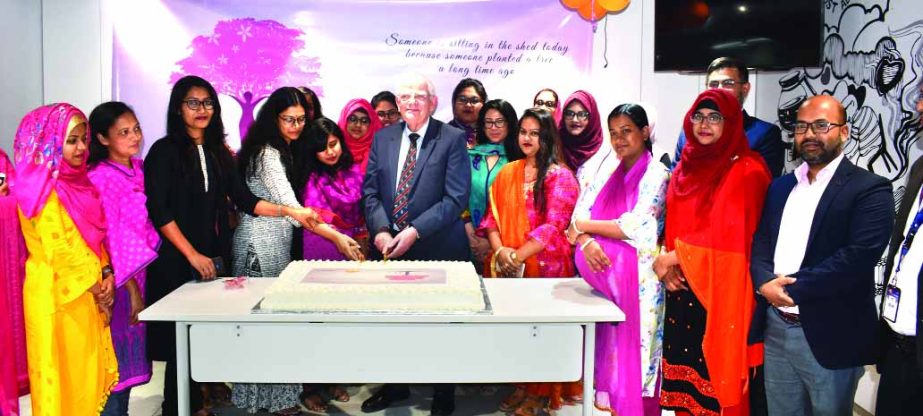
[[360, 123], [69, 288]]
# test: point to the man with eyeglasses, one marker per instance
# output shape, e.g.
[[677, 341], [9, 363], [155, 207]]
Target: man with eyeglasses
[[764, 138], [415, 188], [900, 363], [823, 229]]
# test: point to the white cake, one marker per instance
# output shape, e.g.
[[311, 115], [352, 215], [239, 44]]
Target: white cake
[[404, 286]]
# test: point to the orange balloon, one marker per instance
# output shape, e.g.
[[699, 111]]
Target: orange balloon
[[614, 5], [574, 4], [592, 11]]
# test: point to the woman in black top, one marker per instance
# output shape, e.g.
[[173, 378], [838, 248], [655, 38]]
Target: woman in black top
[[190, 181]]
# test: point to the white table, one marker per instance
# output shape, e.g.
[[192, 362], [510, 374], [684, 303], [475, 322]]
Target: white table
[[540, 330]]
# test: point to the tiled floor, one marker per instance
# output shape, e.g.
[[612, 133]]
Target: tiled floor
[[146, 399]]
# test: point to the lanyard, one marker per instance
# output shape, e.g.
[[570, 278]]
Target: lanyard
[[911, 233]]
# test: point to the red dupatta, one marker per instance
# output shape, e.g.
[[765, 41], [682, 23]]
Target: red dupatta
[[714, 203]]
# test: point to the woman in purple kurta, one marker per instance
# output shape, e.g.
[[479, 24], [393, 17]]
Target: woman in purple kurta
[[14, 376], [333, 190], [132, 240]]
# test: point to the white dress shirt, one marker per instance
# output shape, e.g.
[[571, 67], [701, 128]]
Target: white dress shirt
[[797, 218], [405, 146], [906, 278]]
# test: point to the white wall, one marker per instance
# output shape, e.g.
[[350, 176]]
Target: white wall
[[20, 64]]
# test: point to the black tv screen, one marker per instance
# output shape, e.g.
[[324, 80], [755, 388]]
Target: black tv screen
[[765, 34]]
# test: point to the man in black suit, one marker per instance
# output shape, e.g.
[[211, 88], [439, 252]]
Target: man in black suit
[[823, 229], [900, 389], [415, 188]]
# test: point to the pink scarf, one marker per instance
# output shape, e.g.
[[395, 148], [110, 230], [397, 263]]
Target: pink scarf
[[360, 147], [40, 167], [618, 354]]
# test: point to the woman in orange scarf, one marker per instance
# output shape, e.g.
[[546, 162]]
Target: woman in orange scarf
[[530, 205], [713, 206]]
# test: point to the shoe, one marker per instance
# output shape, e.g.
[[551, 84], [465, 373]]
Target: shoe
[[443, 405], [383, 400]]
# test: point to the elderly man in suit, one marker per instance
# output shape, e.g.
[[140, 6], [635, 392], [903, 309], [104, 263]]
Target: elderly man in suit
[[823, 229], [415, 189], [900, 390]]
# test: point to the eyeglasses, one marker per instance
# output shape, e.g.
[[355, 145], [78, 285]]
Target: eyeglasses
[[533, 134], [579, 115], [498, 123], [358, 120], [724, 83], [293, 121], [817, 126], [413, 97], [194, 104], [712, 119], [546, 104], [462, 100], [388, 114]]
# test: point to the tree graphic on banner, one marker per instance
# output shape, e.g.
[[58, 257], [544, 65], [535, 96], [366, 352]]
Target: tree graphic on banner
[[247, 59]]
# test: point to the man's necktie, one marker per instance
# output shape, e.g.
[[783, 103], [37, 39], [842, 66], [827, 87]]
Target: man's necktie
[[402, 201]]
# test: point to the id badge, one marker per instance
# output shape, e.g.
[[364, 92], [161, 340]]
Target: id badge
[[892, 301]]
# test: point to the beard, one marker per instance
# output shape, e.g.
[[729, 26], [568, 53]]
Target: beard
[[824, 156]]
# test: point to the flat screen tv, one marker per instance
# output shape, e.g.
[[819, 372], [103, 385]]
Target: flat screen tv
[[764, 34]]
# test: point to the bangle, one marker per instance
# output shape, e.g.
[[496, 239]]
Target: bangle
[[574, 224], [586, 243], [107, 270], [279, 210]]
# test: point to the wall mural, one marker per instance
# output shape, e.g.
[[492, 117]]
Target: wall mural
[[873, 63]]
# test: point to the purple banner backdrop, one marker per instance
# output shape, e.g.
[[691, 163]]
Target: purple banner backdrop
[[342, 49]]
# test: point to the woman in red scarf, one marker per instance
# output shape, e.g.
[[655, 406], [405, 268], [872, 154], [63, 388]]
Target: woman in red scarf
[[360, 123], [713, 206]]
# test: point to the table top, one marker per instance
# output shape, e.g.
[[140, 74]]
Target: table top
[[535, 300]]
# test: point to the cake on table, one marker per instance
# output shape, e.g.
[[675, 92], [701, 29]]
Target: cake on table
[[399, 286]]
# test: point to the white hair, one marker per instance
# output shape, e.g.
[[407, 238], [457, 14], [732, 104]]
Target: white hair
[[415, 79]]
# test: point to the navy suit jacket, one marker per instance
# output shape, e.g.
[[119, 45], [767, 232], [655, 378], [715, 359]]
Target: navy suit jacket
[[835, 291], [764, 138], [439, 190]]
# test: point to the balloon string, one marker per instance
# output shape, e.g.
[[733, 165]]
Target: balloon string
[[606, 41]]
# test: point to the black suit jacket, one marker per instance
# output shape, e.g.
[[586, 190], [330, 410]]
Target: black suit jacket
[[438, 194], [911, 190], [835, 291]]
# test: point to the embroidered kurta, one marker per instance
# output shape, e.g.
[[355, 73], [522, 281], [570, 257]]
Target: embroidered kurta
[[132, 243], [72, 366], [556, 257], [337, 200], [561, 190], [641, 224]]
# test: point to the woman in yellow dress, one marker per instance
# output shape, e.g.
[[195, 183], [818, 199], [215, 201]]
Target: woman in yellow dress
[[68, 291]]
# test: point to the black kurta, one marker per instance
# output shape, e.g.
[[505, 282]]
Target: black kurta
[[176, 192]]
